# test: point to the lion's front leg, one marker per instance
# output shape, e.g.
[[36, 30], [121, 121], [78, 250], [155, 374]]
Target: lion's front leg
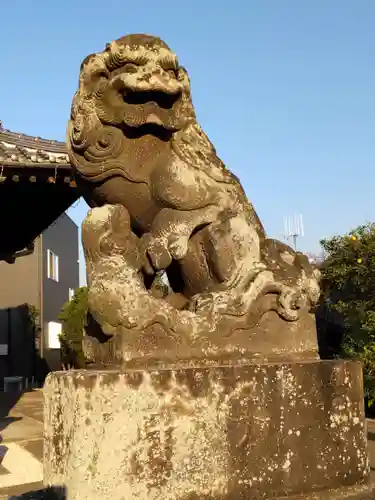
[[233, 302], [170, 232]]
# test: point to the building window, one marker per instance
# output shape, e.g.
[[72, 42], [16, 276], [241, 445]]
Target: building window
[[3, 349], [52, 266], [54, 332], [71, 293]]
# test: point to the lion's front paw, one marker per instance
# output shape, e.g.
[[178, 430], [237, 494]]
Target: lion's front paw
[[178, 246], [156, 248], [161, 249], [215, 302], [202, 302]]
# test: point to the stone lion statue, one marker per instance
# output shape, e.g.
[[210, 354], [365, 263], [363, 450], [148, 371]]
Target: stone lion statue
[[163, 203]]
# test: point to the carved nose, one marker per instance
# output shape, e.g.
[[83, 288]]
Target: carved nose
[[161, 81], [153, 82]]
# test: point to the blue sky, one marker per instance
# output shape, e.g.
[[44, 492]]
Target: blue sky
[[284, 88]]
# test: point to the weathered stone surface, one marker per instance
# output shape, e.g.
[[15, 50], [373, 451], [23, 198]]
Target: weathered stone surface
[[152, 327], [163, 202], [158, 348], [361, 492], [221, 433]]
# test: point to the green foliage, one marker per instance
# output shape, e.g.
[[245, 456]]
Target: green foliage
[[348, 284], [31, 324], [73, 317], [33, 317]]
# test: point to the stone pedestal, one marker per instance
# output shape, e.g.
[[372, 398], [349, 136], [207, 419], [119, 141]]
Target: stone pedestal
[[221, 433]]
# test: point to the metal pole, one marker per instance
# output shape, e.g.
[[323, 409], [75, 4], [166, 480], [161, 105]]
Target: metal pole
[[9, 341], [41, 298], [295, 242]]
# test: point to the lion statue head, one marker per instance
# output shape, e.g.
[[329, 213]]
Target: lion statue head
[[132, 89]]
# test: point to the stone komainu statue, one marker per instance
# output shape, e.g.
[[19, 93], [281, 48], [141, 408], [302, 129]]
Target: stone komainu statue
[[164, 203]]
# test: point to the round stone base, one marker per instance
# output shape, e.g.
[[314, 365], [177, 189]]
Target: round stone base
[[286, 430]]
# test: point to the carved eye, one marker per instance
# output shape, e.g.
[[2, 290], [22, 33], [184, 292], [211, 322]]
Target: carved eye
[[100, 73], [130, 68], [173, 73]]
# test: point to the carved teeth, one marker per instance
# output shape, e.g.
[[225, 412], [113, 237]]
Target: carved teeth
[[152, 118]]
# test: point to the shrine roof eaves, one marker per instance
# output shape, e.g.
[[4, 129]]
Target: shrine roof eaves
[[36, 187], [17, 148]]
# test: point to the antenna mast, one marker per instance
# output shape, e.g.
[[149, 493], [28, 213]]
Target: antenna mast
[[293, 228]]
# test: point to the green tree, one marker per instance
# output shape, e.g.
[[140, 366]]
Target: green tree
[[348, 285], [73, 317], [33, 316]]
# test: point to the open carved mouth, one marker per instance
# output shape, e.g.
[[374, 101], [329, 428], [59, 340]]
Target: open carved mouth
[[162, 99], [147, 129]]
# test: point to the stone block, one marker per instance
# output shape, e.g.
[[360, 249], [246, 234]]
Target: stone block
[[219, 433]]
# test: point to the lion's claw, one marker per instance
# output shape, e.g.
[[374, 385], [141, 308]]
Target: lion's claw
[[157, 251], [178, 246], [203, 302]]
